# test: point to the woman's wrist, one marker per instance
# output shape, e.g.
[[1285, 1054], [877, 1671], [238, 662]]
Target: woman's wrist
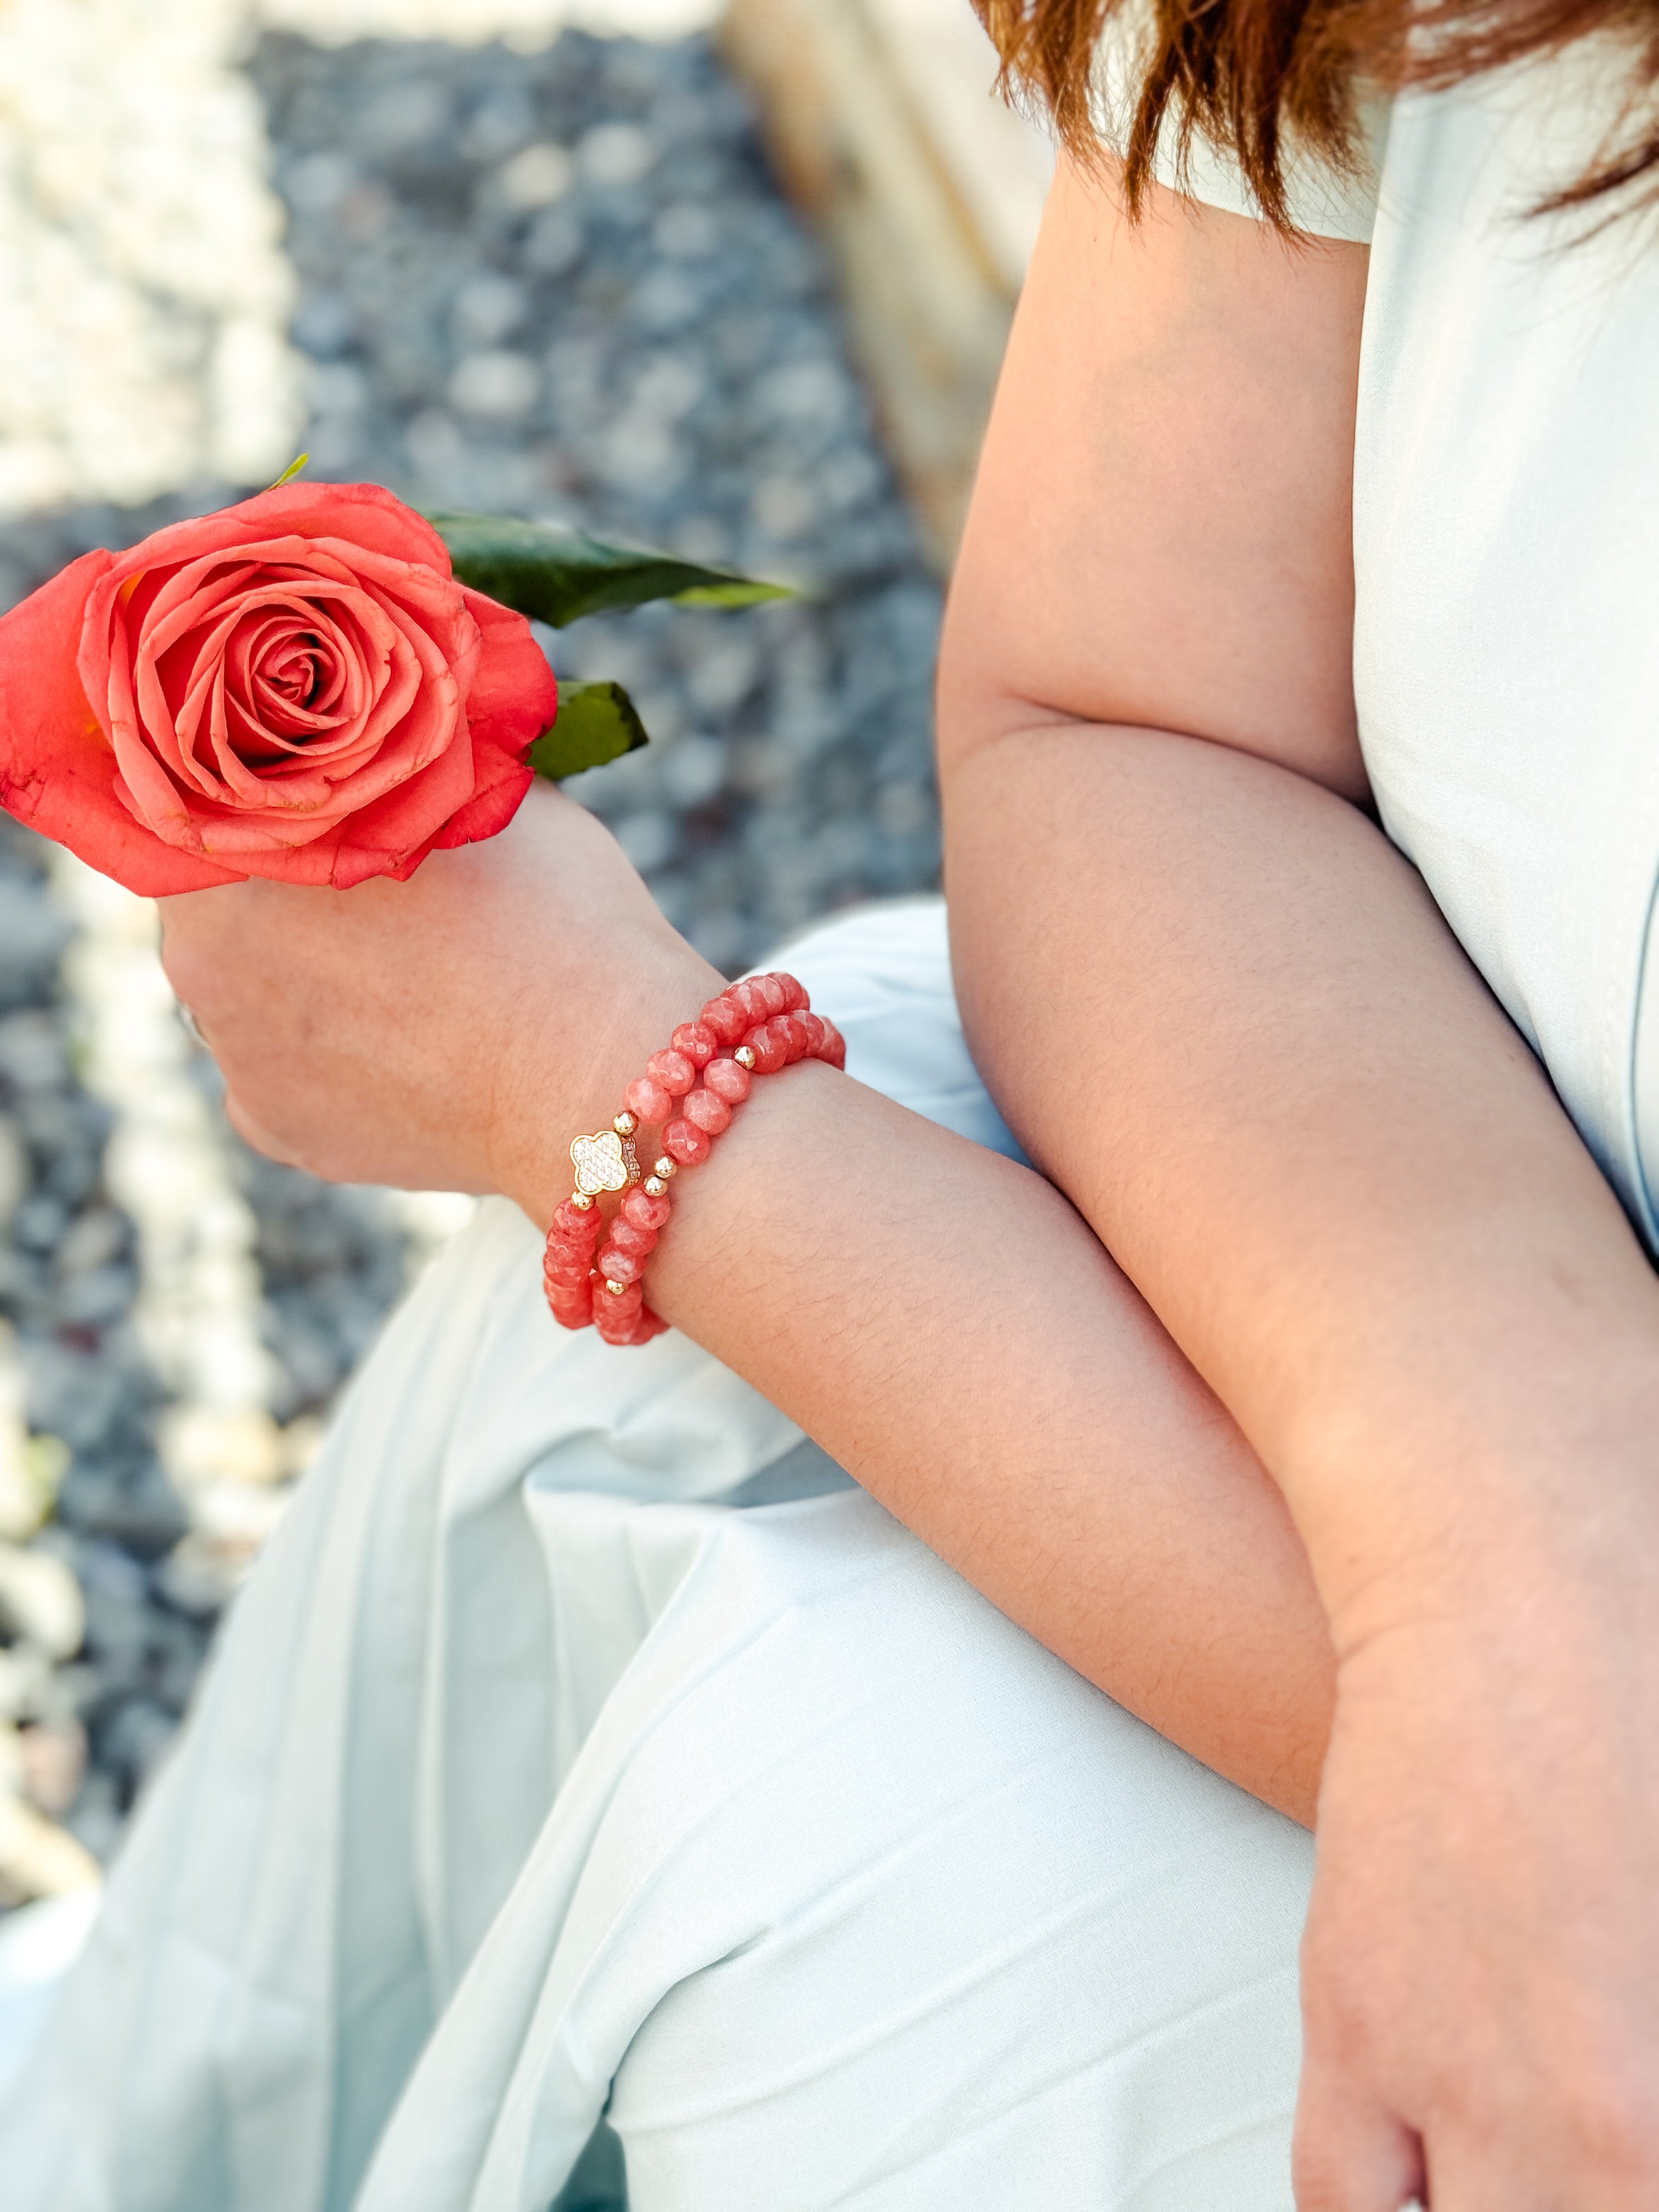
[[565, 1083], [1537, 1475]]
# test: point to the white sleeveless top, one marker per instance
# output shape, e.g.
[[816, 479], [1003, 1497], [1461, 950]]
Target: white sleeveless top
[[1506, 555]]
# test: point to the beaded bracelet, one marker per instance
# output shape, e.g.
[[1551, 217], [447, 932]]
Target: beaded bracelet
[[753, 1028]]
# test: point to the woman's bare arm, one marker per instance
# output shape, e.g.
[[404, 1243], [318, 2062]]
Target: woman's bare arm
[[1294, 1113], [940, 1319]]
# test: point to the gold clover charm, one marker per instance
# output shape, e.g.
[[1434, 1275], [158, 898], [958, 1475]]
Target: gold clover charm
[[606, 1162]]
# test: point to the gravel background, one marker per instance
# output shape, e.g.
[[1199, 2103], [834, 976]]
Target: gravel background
[[562, 285]]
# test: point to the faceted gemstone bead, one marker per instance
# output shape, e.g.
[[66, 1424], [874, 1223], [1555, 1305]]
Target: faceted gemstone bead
[[697, 1042], [648, 1100], [773, 992], [795, 1028], [645, 1211], [749, 996], [672, 1069], [648, 1325], [567, 1274], [723, 1020], [617, 1265], [811, 1028], [708, 1112], [684, 1141], [771, 1051], [833, 1048], [627, 1237], [573, 1309], [617, 1315], [794, 993], [728, 1081], [576, 1222]]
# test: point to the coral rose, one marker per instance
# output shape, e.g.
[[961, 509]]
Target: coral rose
[[295, 687]]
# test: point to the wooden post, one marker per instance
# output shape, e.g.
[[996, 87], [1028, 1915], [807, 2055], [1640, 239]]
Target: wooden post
[[884, 125]]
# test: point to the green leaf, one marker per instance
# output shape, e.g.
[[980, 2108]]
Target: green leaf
[[289, 472], [596, 723], [558, 575]]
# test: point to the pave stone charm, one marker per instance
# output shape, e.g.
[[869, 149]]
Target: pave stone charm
[[605, 1162]]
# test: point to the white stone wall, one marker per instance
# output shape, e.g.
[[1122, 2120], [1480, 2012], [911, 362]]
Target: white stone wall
[[144, 294], [143, 284]]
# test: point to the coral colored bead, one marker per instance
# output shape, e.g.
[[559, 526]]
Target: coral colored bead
[[617, 1315], [697, 1042], [811, 1028], [771, 1053], [627, 1237], [728, 1080], [724, 1020], [573, 1309], [619, 1266], [647, 1101], [771, 989], [576, 1224], [749, 996], [795, 1028], [708, 1112], [672, 1069], [684, 1141], [568, 1270], [783, 1033], [645, 1211], [833, 1048], [794, 994]]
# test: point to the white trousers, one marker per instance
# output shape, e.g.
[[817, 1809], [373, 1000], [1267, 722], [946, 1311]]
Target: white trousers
[[585, 1744]]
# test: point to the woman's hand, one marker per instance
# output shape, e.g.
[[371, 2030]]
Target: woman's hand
[[453, 1032], [1482, 1966]]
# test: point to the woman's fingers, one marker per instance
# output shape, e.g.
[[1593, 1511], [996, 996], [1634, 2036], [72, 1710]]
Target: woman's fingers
[[1481, 1969], [1350, 2155]]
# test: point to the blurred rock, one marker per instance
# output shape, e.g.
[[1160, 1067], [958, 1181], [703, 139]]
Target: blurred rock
[[37, 1857], [53, 1758], [40, 1602]]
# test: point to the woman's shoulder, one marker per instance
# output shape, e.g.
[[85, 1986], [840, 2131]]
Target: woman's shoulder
[[1323, 200]]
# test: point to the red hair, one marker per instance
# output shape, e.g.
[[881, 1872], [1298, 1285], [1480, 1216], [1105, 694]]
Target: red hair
[[1242, 71]]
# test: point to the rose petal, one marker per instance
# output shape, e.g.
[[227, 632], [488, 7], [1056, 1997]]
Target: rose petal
[[515, 694], [57, 770], [365, 516]]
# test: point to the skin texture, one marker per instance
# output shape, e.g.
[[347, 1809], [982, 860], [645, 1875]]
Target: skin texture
[[1372, 1368]]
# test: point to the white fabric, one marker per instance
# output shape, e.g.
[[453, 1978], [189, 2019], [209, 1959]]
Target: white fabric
[[1506, 546], [545, 1764]]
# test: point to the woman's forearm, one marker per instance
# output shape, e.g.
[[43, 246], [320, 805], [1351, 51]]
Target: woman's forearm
[[947, 1325], [940, 1319], [1290, 1108]]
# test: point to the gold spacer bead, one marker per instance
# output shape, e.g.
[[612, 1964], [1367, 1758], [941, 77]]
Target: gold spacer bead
[[624, 1125], [745, 1057], [614, 1289], [664, 1168], [580, 1198], [655, 1186]]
